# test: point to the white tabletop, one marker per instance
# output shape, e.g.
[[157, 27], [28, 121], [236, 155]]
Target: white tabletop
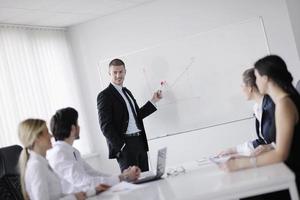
[[207, 181]]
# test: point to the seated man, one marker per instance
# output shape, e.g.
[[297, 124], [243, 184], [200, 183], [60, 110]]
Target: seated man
[[76, 174]]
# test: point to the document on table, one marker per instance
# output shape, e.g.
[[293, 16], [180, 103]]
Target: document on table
[[219, 159], [223, 159], [123, 186]]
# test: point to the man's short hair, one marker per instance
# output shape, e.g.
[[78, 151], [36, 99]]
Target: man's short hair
[[62, 121], [116, 62]]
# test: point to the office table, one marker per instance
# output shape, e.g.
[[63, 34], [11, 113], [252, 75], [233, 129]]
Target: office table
[[206, 181]]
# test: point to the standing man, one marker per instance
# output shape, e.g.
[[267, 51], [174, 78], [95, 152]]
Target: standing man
[[121, 120]]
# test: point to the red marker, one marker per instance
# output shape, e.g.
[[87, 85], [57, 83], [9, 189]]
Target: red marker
[[162, 83]]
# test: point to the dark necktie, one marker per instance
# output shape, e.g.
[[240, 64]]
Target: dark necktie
[[131, 105], [74, 155], [49, 167]]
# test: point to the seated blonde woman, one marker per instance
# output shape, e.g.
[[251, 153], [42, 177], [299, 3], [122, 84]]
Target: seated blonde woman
[[274, 79], [264, 119], [38, 181]]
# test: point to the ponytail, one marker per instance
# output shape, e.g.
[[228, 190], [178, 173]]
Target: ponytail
[[28, 131], [22, 166]]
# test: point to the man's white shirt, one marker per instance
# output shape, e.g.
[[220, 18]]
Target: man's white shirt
[[132, 127], [76, 174], [41, 182]]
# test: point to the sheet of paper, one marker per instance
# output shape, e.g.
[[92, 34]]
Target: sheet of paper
[[219, 159], [124, 186], [223, 159]]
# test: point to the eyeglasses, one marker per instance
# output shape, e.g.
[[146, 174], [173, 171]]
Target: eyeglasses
[[176, 171]]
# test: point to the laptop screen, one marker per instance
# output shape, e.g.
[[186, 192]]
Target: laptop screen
[[161, 161]]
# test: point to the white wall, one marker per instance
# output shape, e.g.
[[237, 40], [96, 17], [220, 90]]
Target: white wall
[[164, 20], [294, 8]]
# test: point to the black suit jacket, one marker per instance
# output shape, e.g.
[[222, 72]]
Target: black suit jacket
[[268, 129], [113, 118]]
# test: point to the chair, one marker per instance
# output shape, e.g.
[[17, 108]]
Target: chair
[[10, 187], [298, 86]]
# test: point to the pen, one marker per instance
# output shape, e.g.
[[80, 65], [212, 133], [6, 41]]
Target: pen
[[123, 147]]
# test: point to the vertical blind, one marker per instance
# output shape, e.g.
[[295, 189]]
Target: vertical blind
[[37, 77]]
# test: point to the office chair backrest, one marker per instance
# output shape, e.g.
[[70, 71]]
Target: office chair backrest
[[298, 86], [10, 187]]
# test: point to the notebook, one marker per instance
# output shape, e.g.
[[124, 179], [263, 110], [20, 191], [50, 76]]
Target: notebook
[[160, 168]]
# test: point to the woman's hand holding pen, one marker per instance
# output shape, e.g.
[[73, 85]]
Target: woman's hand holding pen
[[101, 188]]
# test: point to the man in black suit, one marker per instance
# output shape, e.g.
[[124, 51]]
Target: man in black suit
[[121, 120]]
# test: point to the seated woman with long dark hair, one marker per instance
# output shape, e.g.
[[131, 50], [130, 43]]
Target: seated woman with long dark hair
[[274, 79]]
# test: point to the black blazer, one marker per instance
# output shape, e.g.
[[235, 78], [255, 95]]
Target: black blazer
[[113, 118], [268, 129]]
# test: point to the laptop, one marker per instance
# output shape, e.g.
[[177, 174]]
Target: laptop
[[160, 168]]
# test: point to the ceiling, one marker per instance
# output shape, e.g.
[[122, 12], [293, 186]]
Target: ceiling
[[60, 13]]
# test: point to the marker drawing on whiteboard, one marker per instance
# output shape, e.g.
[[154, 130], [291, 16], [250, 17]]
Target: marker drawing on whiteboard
[[183, 72]]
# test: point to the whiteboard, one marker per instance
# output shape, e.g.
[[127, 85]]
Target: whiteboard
[[202, 75]]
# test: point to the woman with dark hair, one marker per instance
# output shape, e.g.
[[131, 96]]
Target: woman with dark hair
[[274, 79]]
